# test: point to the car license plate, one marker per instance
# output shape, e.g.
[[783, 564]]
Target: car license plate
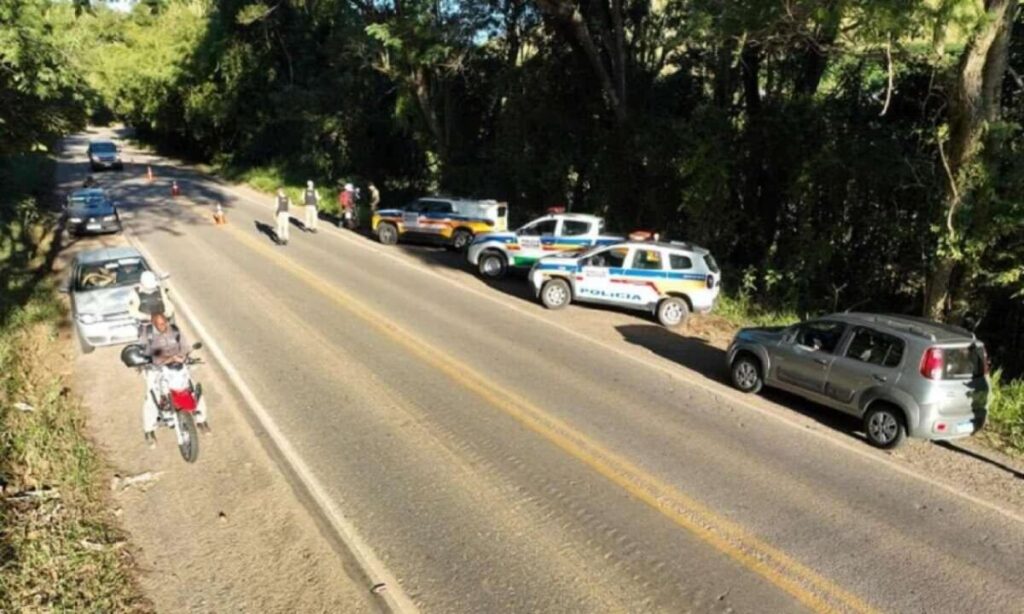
[[93, 227], [967, 426]]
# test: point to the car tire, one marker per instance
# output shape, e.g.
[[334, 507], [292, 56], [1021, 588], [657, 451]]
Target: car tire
[[746, 374], [555, 293], [461, 239], [673, 312], [492, 265], [387, 234], [885, 426]]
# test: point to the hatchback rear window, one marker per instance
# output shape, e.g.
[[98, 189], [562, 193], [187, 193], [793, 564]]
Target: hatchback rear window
[[709, 260], [963, 362]]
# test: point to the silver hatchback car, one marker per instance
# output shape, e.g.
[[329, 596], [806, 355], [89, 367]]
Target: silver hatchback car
[[901, 375], [100, 284]]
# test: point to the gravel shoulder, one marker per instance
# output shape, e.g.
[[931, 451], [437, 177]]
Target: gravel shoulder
[[227, 533]]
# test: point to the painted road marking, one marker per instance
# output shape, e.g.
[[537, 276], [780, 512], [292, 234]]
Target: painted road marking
[[801, 582], [393, 596], [718, 391]]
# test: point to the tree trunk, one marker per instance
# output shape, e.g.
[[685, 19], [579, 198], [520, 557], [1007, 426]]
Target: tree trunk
[[974, 102]]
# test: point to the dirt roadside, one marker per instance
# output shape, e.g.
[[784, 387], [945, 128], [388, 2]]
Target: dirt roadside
[[227, 533]]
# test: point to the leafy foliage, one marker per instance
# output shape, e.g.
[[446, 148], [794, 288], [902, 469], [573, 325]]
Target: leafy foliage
[[801, 141]]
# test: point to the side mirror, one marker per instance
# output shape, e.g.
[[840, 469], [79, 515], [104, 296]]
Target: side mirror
[[198, 345]]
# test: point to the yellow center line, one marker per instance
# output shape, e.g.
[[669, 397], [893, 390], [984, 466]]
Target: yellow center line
[[804, 584]]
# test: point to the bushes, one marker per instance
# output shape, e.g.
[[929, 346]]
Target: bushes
[[1006, 412]]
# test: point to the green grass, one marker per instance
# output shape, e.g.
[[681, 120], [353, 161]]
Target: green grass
[[1006, 412], [742, 311], [59, 547]]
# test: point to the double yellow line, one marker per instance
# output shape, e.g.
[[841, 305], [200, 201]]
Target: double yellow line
[[804, 584]]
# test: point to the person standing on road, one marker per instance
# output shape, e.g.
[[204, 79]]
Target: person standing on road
[[374, 197], [282, 217], [311, 198], [164, 345], [149, 299]]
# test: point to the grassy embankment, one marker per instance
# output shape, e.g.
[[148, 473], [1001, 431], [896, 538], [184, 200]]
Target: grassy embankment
[[59, 547]]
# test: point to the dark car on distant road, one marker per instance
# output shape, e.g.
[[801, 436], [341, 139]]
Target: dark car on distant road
[[104, 154], [90, 211], [901, 375]]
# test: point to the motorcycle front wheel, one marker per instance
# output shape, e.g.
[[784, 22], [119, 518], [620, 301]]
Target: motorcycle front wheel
[[188, 437]]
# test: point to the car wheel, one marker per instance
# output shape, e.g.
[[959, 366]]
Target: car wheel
[[387, 234], [493, 265], [555, 293], [746, 374], [884, 426], [461, 239], [673, 312]]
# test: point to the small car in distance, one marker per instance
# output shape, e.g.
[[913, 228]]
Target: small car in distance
[[449, 221], [100, 285], [90, 211], [669, 280], [900, 375], [494, 253], [104, 153]]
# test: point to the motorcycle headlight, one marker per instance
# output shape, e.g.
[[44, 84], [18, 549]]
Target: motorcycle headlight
[[88, 318]]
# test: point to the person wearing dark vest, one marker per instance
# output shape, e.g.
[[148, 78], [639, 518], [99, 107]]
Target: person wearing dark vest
[[149, 299], [282, 217], [311, 198]]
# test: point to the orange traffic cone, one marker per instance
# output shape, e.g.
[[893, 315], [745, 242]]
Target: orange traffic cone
[[149, 172], [219, 217], [175, 190]]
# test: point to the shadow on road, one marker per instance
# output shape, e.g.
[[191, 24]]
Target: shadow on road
[[267, 230], [700, 356], [951, 446]]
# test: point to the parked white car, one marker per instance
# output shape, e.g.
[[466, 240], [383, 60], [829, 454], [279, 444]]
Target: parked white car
[[669, 280], [495, 253]]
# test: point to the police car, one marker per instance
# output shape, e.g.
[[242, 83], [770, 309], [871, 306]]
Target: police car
[[494, 253], [449, 221], [670, 280]]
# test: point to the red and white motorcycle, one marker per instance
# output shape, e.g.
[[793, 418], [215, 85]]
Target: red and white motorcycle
[[177, 398]]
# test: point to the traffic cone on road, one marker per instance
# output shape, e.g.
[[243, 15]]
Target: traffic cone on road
[[219, 217], [149, 172], [175, 190]]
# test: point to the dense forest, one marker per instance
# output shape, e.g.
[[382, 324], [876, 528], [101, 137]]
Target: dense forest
[[832, 153]]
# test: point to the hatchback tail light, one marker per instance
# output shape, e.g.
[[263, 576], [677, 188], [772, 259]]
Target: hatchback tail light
[[932, 363], [710, 282]]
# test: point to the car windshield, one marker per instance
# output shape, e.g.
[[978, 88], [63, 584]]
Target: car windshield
[[105, 147], [115, 273], [91, 206]]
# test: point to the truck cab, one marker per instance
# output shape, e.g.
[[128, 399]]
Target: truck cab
[[495, 253]]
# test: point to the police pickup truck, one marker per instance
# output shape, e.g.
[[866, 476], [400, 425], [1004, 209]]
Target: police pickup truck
[[669, 280], [495, 252]]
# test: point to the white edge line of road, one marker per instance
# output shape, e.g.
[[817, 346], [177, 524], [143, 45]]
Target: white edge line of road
[[718, 391], [393, 595]]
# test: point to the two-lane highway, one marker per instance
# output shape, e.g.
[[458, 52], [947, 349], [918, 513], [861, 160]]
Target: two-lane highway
[[493, 462]]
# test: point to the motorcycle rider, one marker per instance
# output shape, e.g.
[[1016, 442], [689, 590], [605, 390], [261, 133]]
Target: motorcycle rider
[[149, 298], [164, 344], [346, 202], [311, 199]]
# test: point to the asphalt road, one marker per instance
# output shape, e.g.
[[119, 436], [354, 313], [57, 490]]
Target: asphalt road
[[493, 460]]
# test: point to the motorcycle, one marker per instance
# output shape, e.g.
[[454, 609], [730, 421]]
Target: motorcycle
[[177, 397], [350, 218]]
